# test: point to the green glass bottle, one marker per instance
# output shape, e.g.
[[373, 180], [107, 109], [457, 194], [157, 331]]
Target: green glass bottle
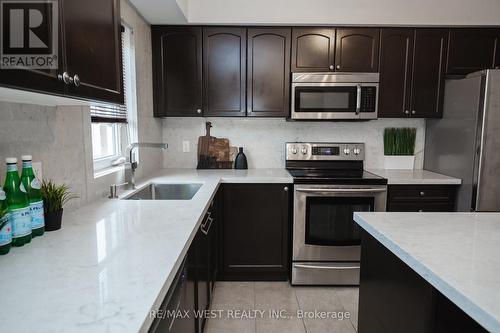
[[5, 226], [32, 186], [19, 209]]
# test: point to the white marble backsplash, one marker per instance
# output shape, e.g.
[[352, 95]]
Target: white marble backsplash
[[264, 139]]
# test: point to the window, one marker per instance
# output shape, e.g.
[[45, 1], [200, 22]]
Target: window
[[114, 126]]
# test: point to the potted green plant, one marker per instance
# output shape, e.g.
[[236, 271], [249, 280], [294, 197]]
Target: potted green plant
[[54, 198], [399, 148]]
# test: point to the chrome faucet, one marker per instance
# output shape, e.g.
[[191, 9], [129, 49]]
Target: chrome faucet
[[131, 165]]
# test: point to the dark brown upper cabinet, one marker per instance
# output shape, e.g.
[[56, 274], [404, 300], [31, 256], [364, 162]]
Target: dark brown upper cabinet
[[396, 59], [224, 71], [412, 72], [89, 54], [473, 49], [313, 49], [177, 68], [93, 49], [40, 80], [429, 65], [357, 49], [268, 72]]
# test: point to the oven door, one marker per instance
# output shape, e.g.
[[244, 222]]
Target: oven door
[[326, 100], [324, 229]]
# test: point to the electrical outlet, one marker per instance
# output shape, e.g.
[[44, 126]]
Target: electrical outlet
[[37, 170], [185, 146]]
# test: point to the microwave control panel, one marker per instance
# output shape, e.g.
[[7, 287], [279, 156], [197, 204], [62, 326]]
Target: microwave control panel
[[368, 99]]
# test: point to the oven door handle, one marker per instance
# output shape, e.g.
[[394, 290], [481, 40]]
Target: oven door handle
[[358, 100], [324, 267], [342, 190]]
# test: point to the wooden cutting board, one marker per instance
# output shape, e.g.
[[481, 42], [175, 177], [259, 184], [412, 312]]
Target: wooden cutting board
[[219, 148], [204, 142]]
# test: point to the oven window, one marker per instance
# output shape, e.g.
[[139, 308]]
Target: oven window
[[329, 219], [325, 99]]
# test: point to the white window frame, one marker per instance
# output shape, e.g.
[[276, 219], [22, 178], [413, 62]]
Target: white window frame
[[107, 162]]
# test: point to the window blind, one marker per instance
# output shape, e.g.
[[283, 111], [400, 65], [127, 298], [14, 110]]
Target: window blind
[[112, 113]]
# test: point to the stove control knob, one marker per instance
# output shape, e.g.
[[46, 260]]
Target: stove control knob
[[304, 150], [294, 150], [356, 151], [347, 151]]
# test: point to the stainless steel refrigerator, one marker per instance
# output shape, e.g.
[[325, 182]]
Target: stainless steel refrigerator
[[465, 143]]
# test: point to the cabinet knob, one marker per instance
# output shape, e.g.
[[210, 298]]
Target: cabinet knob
[[407, 112], [64, 77], [285, 188], [413, 111], [422, 193], [420, 210], [331, 67], [198, 111], [338, 66], [76, 80]]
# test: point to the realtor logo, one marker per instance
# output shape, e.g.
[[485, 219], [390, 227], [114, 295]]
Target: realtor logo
[[29, 34]]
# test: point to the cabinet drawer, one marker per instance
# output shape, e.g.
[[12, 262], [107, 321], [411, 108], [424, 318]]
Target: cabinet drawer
[[419, 193], [421, 207]]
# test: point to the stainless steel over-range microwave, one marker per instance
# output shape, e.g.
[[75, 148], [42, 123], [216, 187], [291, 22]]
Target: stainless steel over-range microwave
[[335, 96]]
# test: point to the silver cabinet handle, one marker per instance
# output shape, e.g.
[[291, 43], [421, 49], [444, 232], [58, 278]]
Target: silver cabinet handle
[[407, 112], [342, 190], [338, 66], [285, 188], [324, 267], [198, 111], [331, 67], [358, 99], [413, 111], [422, 193], [65, 78], [76, 80]]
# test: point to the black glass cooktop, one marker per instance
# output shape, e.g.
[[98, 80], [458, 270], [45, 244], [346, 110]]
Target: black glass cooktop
[[342, 176]]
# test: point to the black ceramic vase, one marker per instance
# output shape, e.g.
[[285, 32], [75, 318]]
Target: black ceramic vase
[[240, 162]]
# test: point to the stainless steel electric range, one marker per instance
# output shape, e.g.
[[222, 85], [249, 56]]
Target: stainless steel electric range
[[329, 186]]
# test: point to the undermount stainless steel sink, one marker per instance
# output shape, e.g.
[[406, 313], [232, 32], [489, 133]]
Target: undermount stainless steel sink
[[166, 192]]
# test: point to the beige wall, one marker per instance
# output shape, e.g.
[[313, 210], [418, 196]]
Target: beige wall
[[60, 137]]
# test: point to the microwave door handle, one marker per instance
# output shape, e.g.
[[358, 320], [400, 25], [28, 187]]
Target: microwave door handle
[[342, 190], [358, 99]]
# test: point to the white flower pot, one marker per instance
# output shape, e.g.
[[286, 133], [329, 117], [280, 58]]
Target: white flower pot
[[399, 162]]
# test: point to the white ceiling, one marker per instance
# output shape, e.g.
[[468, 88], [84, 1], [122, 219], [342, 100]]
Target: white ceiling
[[317, 12], [162, 11]]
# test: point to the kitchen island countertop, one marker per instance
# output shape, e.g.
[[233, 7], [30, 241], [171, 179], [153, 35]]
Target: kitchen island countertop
[[457, 253]]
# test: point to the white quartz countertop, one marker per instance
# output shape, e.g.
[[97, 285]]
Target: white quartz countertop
[[414, 177], [112, 261], [457, 253]]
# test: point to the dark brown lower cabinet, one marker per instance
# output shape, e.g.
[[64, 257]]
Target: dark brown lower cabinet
[[254, 232], [192, 287], [394, 298], [421, 198]]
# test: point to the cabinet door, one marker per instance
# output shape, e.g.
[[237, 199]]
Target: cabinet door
[[268, 72], [224, 72], [396, 53], [429, 62], [313, 49], [357, 49], [177, 59], [472, 49], [93, 48], [255, 232], [40, 80]]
